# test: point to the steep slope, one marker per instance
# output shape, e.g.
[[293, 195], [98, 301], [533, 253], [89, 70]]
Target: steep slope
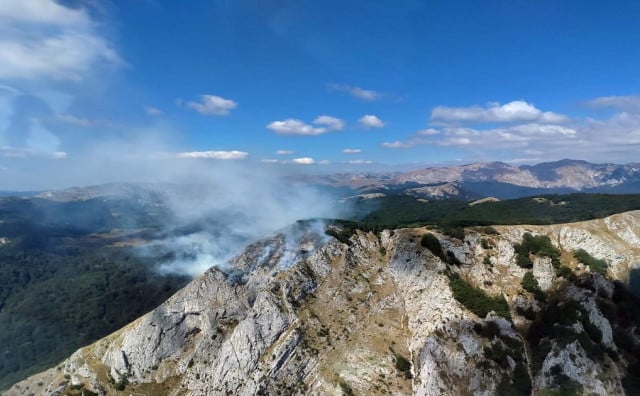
[[387, 313]]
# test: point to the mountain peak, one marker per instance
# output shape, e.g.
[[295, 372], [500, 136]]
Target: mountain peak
[[381, 313]]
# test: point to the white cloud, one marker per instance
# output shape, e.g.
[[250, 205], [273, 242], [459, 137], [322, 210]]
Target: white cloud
[[397, 144], [42, 11], [364, 94], [428, 132], [213, 105], [303, 161], [615, 139], [221, 155], [13, 152], [359, 162], [292, 126], [516, 111], [626, 103], [421, 137], [284, 152], [330, 123], [152, 111], [21, 152], [43, 39], [297, 161], [59, 155], [510, 137], [518, 135], [357, 92], [371, 121], [351, 151]]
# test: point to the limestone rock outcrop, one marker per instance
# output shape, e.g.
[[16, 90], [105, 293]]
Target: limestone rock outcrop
[[307, 314]]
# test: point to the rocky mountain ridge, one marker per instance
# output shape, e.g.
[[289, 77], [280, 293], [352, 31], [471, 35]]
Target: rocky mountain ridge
[[303, 313], [480, 179], [468, 181]]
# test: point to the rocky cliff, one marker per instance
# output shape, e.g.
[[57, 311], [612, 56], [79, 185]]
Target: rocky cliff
[[384, 313]]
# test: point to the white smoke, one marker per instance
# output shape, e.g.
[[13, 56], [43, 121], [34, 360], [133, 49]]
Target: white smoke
[[214, 207], [215, 215]]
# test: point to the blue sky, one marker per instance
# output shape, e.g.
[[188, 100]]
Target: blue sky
[[333, 85]]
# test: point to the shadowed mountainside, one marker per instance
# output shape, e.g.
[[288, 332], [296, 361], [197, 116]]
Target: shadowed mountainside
[[405, 311]]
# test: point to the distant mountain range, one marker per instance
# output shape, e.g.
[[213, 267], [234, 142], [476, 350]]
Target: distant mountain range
[[467, 182], [495, 179]]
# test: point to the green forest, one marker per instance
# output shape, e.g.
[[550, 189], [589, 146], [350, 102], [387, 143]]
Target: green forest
[[403, 211], [63, 286], [66, 280]]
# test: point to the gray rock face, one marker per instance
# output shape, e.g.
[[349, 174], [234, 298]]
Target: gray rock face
[[570, 174], [543, 272], [307, 314]]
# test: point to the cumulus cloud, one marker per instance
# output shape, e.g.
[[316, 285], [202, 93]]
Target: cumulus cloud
[[514, 136], [615, 139], [284, 152], [220, 155], [357, 92], [625, 103], [330, 123], [322, 124], [213, 105], [351, 151], [295, 161], [510, 136], [292, 126], [516, 111], [523, 132], [303, 161], [44, 39], [370, 121]]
